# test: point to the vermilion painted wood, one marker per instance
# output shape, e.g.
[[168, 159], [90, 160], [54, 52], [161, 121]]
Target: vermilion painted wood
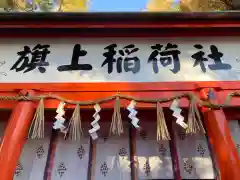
[[121, 86], [14, 137], [221, 140], [92, 91]]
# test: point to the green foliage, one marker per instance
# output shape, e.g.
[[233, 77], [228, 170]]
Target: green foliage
[[46, 5]]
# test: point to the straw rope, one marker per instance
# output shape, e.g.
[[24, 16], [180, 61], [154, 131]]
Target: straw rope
[[116, 127], [194, 119], [74, 129], [162, 130], [144, 100], [36, 130]]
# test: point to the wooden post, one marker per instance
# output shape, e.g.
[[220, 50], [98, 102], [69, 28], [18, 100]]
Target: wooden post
[[174, 153], [133, 157], [220, 138], [92, 159], [51, 155], [14, 137]]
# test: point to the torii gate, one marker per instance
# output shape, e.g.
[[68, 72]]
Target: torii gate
[[119, 25]]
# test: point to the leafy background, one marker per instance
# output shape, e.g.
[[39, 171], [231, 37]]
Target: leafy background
[[119, 5]]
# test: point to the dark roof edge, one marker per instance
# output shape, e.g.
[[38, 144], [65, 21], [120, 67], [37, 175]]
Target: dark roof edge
[[119, 20], [119, 24], [119, 16]]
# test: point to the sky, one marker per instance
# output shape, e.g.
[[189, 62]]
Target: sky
[[117, 5]]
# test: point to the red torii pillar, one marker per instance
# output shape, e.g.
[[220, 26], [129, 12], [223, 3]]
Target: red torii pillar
[[220, 138], [14, 136]]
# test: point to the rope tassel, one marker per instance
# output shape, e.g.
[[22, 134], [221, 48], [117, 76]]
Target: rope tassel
[[36, 130], [75, 126], [194, 119], [162, 130], [116, 127]]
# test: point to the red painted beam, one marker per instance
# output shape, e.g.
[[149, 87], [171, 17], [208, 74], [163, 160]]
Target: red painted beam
[[14, 137], [93, 91], [121, 86], [220, 139]]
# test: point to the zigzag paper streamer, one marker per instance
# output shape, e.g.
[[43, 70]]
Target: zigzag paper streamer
[[58, 124], [94, 123], [177, 113], [133, 113]]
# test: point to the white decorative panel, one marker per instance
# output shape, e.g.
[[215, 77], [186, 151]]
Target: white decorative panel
[[113, 156], [138, 59], [194, 155], [235, 131], [154, 158], [71, 159], [33, 158]]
